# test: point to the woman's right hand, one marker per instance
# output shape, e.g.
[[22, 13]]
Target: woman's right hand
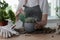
[[19, 11]]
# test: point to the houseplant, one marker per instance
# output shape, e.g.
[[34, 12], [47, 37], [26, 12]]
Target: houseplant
[[57, 10], [58, 14], [4, 15], [29, 24]]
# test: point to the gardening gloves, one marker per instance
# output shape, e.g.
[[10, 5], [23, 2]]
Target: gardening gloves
[[8, 31]]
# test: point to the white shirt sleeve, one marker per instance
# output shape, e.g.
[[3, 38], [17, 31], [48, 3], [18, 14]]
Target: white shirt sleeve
[[44, 6], [20, 4]]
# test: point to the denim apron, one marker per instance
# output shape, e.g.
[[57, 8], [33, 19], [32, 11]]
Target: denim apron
[[33, 12]]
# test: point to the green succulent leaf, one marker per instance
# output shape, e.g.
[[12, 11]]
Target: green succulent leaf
[[30, 20]]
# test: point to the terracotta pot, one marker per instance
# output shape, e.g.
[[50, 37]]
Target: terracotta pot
[[3, 23]]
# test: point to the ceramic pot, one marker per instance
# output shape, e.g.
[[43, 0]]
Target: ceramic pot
[[29, 27]]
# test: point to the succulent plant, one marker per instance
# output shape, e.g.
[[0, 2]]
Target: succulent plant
[[30, 20]]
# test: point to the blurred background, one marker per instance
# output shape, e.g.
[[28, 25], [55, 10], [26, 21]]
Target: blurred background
[[53, 10]]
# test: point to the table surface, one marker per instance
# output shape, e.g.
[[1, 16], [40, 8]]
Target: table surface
[[34, 37]]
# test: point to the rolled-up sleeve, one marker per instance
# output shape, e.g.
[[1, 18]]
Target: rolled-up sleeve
[[20, 4], [44, 6]]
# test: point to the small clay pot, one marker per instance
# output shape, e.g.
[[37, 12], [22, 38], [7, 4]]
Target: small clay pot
[[3, 23]]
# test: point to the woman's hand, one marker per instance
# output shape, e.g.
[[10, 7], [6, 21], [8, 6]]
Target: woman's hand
[[19, 11], [42, 23]]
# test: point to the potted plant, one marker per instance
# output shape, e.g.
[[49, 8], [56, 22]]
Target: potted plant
[[29, 24], [4, 15], [58, 14], [57, 10]]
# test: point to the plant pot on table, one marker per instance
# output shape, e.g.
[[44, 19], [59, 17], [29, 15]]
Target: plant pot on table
[[29, 24], [29, 27], [3, 23], [6, 13]]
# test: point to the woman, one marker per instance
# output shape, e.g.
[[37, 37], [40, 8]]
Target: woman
[[35, 8]]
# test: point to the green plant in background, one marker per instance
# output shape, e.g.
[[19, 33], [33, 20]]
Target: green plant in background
[[57, 9], [9, 14], [12, 15]]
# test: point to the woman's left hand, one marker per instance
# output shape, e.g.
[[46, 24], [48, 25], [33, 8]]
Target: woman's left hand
[[40, 24]]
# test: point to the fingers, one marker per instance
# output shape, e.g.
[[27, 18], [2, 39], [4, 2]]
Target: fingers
[[9, 34], [4, 33], [39, 25], [14, 32], [19, 11], [0, 32], [36, 26]]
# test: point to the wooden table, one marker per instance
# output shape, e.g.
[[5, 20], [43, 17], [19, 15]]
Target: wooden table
[[35, 37]]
